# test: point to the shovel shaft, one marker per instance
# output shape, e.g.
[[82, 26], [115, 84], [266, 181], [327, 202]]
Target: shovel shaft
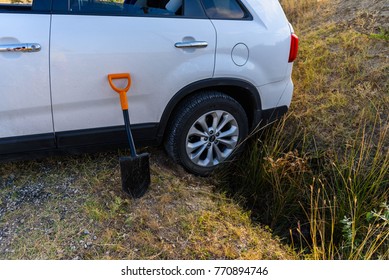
[[129, 134], [123, 100]]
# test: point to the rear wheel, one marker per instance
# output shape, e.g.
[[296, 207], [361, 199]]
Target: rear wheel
[[205, 131]]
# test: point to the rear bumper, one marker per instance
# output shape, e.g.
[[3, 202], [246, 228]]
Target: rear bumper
[[270, 115], [264, 117], [277, 94], [275, 101]]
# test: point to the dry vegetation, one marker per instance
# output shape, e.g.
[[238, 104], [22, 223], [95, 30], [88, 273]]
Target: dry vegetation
[[73, 208]]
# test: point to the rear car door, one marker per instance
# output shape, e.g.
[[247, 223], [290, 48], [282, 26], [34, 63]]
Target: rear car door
[[164, 45], [25, 103]]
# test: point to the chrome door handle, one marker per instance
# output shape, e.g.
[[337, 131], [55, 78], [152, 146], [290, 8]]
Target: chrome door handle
[[191, 44], [25, 47]]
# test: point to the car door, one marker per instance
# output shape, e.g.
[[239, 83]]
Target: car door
[[164, 48], [25, 105]]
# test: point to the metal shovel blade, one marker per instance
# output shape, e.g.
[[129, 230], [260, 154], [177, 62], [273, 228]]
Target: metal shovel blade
[[135, 173]]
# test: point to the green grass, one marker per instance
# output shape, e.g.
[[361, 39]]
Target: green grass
[[382, 35]]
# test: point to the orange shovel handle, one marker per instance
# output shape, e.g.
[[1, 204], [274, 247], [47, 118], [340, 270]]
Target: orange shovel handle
[[122, 91]]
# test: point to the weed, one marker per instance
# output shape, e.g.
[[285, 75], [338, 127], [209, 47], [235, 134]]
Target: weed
[[382, 35]]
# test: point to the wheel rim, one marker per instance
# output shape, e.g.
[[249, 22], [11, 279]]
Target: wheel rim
[[212, 138]]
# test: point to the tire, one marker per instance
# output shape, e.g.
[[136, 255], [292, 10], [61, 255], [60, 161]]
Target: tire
[[205, 131]]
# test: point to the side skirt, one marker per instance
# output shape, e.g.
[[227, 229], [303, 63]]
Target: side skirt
[[88, 140]]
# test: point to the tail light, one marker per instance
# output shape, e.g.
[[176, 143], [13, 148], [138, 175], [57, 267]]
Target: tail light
[[294, 45]]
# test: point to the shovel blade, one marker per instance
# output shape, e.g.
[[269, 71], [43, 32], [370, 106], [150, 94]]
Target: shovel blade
[[135, 172]]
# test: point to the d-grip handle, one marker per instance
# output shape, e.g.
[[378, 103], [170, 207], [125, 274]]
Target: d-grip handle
[[122, 91]]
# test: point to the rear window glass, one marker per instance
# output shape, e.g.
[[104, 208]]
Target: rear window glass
[[224, 9]]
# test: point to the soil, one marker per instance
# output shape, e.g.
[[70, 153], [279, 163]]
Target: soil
[[375, 14]]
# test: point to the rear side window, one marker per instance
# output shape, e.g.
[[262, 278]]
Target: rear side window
[[25, 6], [126, 7], [15, 4], [224, 9]]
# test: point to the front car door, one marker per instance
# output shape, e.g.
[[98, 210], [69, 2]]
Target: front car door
[[25, 103], [151, 41]]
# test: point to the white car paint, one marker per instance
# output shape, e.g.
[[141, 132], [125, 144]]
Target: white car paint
[[267, 38], [84, 49], [25, 105]]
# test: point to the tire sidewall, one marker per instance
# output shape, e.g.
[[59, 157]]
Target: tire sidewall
[[217, 103]]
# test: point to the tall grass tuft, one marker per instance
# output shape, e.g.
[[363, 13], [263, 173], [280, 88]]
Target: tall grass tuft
[[327, 205], [270, 165]]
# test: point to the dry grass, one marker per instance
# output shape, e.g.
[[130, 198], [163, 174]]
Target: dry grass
[[73, 208], [340, 73]]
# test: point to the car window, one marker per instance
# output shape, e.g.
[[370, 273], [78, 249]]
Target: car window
[[16, 4], [25, 6], [127, 7], [27, 3], [224, 9]]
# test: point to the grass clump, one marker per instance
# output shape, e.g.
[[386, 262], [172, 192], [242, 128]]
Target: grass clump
[[382, 35]]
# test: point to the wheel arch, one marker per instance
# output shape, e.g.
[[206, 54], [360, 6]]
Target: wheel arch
[[242, 91]]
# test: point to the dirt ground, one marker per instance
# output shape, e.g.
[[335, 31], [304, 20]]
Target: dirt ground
[[377, 11]]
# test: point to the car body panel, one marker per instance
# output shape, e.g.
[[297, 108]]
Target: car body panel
[[267, 40], [84, 49], [267, 51], [25, 106]]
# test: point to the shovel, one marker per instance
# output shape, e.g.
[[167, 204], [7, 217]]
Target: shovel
[[134, 169]]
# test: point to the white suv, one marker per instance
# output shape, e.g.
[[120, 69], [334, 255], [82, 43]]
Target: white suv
[[204, 73]]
